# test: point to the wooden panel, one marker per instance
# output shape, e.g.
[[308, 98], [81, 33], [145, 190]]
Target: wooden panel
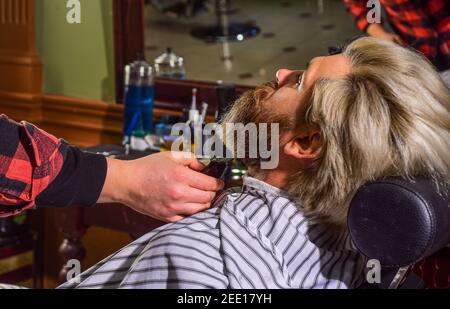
[[86, 122], [128, 36], [20, 106], [17, 25], [20, 73], [20, 66], [80, 121]]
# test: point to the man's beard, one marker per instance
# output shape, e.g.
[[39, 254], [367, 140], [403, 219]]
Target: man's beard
[[252, 108], [249, 108]]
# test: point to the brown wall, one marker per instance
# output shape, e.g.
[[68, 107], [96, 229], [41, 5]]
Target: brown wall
[[20, 66]]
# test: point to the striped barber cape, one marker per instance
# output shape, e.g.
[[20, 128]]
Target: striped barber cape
[[257, 238]]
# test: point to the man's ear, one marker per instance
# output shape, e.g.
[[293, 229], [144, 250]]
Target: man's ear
[[305, 144]]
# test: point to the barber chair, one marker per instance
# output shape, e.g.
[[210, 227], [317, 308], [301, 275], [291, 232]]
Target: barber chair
[[399, 222]]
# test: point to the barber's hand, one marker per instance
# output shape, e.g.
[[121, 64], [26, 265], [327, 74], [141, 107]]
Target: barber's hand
[[166, 186], [377, 31]]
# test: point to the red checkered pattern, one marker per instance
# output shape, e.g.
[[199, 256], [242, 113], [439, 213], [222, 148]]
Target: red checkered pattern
[[30, 159], [422, 24]]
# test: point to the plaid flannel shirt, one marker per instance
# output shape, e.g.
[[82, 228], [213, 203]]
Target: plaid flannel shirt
[[422, 24], [38, 169]]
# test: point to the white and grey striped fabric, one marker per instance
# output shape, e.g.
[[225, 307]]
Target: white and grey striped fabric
[[257, 238], [11, 287]]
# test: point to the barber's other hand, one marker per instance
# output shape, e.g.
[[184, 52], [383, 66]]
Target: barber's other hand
[[377, 31], [166, 186]]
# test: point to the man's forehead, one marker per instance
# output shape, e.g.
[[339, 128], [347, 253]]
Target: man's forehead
[[327, 67]]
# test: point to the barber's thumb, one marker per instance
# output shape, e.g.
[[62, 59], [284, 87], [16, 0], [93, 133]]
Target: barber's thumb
[[188, 159], [194, 164]]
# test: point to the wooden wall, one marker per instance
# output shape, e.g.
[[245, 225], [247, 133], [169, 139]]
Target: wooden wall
[[20, 66]]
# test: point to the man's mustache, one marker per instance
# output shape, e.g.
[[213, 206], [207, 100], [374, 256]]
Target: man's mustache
[[251, 100], [265, 90], [273, 85]]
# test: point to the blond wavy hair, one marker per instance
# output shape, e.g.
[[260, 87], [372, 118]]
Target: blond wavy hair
[[389, 117]]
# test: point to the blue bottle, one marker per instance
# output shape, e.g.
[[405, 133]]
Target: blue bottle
[[138, 99]]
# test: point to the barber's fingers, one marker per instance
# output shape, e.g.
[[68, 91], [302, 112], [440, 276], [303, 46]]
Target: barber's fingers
[[203, 182], [195, 164], [174, 219], [194, 195], [184, 210], [187, 159], [189, 209]]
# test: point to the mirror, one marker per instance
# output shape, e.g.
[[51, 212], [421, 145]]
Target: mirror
[[244, 42]]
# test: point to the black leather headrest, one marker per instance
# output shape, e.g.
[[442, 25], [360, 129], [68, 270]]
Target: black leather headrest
[[399, 221]]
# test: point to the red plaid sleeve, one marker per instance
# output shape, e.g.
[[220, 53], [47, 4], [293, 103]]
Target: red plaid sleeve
[[358, 9], [414, 23], [30, 159], [440, 11], [423, 25]]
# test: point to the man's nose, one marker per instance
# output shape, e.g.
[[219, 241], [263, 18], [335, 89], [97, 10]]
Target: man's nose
[[284, 75]]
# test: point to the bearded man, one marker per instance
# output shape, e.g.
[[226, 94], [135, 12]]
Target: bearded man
[[375, 110]]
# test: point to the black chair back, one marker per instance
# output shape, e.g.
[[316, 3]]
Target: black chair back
[[400, 222]]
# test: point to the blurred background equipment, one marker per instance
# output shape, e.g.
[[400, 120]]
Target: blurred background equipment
[[138, 99], [226, 95], [170, 65], [179, 8], [16, 251], [224, 30]]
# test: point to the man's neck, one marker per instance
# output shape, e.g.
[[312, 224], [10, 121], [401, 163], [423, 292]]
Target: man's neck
[[276, 178], [279, 177]]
